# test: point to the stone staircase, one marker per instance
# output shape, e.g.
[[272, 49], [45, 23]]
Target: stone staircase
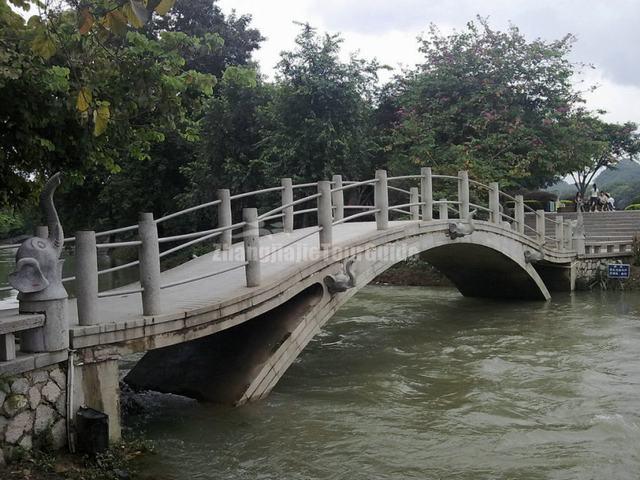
[[602, 229]]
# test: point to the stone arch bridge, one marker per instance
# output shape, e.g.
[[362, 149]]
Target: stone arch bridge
[[226, 325]]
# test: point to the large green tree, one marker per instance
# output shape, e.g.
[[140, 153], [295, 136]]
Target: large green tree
[[486, 101], [321, 120]]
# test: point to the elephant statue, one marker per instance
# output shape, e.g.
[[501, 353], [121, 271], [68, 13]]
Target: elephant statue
[[533, 256], [38, 275], [341, 281], [460, 229]]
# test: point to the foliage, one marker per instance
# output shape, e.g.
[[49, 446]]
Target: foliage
[[321, 118], [633, 206], [592, 145], [486, 101]]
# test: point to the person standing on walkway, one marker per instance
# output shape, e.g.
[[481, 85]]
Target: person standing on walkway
[[593, 200]]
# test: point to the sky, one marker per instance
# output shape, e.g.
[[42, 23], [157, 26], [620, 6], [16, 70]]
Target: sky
[[608, 34]]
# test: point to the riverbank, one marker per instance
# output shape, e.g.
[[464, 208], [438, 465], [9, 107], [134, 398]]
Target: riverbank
[[118, 463]]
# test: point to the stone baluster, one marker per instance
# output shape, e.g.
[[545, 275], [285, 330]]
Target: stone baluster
[[381, 196], [325, 218], [494, 202], [149, 256], [224, 217], [414, 198], [540, 226], [560, 233], [337, 198], [463, 194], [519, 214], [426, 189], [86, 264], [443, 209], [287, 197], [251, 239], [568, 235]]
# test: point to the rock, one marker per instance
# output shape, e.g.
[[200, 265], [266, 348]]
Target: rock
[[121, 474], [26, 442], [20, 385], [14, 404], [51, 392], [2, 460], [21, 423], [59, 435], [45, 416], [34, 397], [61, 405], [39, 376], [3, 396], [58, 376], [3, 425], [5, 385]]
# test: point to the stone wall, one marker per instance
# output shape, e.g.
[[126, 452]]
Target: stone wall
[[33, 411], [592, 272]]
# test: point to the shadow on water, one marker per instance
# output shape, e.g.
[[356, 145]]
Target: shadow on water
[[423, 383]]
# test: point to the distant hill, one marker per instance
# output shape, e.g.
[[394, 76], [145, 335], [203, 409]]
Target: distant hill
[[622, 181]]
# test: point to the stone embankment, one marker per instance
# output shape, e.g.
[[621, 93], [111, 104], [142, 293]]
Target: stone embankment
[[32, 411]]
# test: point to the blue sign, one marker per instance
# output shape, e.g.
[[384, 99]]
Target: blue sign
[[618, 270]]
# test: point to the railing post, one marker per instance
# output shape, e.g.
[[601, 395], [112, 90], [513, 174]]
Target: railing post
[[414, 197], [540, 226], [337, 198], [426, 187], [494, 202], [568, 234], [251, 237], [578, 235], [224, 217], [86, 263], [463, 194], [325, 218], [519, 214], [381, 196], [149, 256], [443, 209], [287, 197], [560, 233]]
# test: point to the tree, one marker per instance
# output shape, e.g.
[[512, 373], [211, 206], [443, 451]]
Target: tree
[[593, 145], [485, 101], [321, 118]]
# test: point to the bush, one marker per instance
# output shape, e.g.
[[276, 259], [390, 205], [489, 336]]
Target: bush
[[634, 206], [10, 223]]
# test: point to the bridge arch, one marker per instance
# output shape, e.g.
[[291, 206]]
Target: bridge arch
[[245, 362]]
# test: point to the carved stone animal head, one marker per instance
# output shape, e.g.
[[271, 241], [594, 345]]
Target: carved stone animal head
[[341, 281], [38, 274]]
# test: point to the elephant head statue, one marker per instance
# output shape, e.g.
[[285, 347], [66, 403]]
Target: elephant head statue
[[38, 274]]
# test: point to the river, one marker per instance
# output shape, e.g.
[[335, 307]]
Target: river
[[423, 383]]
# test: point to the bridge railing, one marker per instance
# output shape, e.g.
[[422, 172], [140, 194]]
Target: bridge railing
[[330, 208]]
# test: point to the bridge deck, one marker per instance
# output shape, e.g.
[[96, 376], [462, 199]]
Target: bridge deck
[[216, 289]]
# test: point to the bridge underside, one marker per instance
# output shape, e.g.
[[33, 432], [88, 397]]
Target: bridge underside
[[478, 271]]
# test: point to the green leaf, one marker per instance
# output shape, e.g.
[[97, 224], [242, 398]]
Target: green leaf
[[83, 101], [164, 6], [43, 46], [136, 13], [101, 116], [116, 22]]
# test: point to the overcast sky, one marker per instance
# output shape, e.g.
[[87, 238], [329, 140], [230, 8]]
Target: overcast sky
[[608, 33]]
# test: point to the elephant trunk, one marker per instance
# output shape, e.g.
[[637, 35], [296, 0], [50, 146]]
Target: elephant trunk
[[56, 235]]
